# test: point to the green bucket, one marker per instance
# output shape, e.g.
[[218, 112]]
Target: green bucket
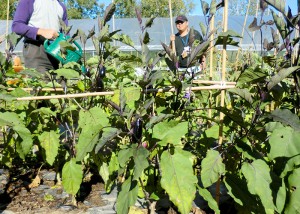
[[53, 48]]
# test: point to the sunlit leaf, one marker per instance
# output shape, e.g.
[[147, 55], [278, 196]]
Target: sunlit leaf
[[282, 74], [178, 179], [213, 8], [108, 134], [170, 132], [91, 122], [243, 93], [284, 143], [258, 179], [210, 200], [294, 193], [280, 24], [205, 7], [67, 73], [127, 195], [140, 161], [50, 143], [109, 12], [211, 168], [72, 176], [278, 4]]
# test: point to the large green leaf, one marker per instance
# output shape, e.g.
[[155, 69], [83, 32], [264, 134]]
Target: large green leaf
[[50, 143], [125, 154], [213, 8], [284, 142], [9, 119], [72, 176], [286, 117], [290, 165], [178, 179], [278, 4], [282, 74], [211, 168], [91, 122], [243, 146], [205, 7], [293, 205], [45, 111], [157, 119], [132, 94], [127, 196], [67, 73], [258, 179], [281, 25], [210, 200], [108, 134], [126, 96], [170, 132], [243, 93], [281, 197], [251, 75], [140, 157], [240, 194], [26, 143], [7, 97]]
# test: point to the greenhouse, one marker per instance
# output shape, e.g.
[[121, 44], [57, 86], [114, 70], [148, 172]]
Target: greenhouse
[[160, 31], [112, 117]]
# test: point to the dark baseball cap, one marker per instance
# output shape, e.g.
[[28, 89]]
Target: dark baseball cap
[[181, 18]]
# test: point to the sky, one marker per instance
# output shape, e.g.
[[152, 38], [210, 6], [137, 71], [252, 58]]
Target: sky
[[291, 3], [198, 11]]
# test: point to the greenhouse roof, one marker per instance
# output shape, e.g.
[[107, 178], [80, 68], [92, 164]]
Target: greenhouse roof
[[159, 32]]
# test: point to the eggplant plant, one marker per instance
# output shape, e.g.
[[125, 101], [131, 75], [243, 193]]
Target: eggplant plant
[[162, 145]]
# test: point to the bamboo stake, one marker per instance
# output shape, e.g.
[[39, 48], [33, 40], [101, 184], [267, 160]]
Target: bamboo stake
[[211, 58], [195, 88], [90, 94], [243, 31], [37, 89], [213, 82], [224, 57], [171, 21], [7, 17], [256, 14], [66, 96]]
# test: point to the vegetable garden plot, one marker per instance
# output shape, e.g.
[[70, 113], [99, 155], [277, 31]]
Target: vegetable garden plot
[[164, 144]]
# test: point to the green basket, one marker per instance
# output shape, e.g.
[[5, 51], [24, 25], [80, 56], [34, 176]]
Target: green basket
[[53, 48]]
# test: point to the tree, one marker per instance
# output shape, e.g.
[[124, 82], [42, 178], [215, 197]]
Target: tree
[[160, 8], [148, 8], [3, 9], [81, 9], [239, 7]]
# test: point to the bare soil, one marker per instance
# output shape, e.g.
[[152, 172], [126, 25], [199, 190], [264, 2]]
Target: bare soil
[[46, 196]]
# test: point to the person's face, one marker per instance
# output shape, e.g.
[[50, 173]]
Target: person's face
[[182, 25]]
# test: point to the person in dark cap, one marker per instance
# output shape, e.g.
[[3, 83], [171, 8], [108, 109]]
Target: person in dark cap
[[182, 44]]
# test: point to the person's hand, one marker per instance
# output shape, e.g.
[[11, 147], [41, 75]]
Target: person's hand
[[47, 33], [203, 62], [172, 37]]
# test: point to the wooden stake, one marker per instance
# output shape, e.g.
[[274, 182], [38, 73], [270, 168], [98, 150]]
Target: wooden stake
[[213, 82], [211, 61], [243, 31], [37, 89], [171, 21], [7, 18], [90, 94], [197, 88], [224, 58]]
